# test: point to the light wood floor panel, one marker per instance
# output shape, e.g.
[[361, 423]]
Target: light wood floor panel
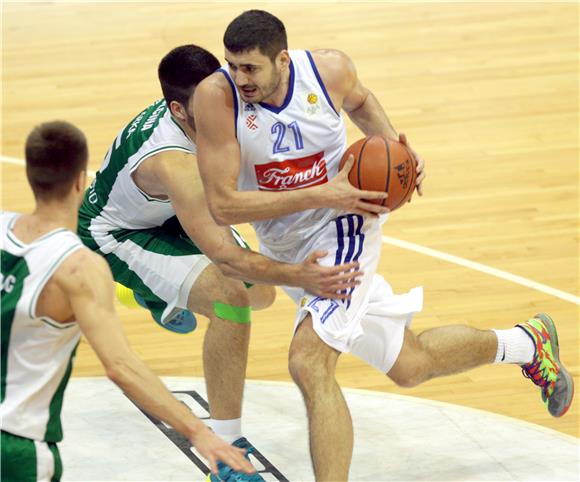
[[487, 93]]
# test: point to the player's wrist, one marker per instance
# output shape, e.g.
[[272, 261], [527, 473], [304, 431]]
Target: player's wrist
[[292, 275], [195, 429], [319, 197]]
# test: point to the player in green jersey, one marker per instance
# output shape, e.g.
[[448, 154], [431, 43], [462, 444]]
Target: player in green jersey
[[52, 289]]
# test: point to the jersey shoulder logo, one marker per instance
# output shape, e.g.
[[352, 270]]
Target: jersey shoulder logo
[[312, 104], [292, 174]]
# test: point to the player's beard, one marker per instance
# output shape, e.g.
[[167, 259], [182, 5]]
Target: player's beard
[[268, 90]]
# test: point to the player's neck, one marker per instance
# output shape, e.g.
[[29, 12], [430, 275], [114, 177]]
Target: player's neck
[[46, 217], [279, 95], [189, 132]]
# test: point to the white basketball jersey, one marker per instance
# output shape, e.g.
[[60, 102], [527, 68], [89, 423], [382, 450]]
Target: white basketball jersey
[[113, 200], [37, 353], [295, 146]]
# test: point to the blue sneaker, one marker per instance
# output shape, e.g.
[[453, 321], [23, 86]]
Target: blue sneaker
[[227, 474], [179, 321]]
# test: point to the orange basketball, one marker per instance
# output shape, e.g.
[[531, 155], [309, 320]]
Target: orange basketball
[[381, 165]]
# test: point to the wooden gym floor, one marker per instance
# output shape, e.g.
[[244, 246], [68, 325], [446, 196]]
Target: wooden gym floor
[[487, 93]]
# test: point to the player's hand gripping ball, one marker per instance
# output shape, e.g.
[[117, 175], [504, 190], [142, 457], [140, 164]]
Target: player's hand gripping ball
[[382, 165]]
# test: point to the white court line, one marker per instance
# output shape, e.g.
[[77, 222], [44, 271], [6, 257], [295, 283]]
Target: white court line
[[498, 273]]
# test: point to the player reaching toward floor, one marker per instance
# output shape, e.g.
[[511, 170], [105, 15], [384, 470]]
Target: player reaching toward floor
[[270, 138], [146, 213], [54, 288]]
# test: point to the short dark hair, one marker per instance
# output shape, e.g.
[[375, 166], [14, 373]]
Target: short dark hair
[[182, 69], [55, 152], [256, 29]]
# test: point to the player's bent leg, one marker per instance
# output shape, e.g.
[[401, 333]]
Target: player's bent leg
[[226, 341], [442, 351], [261, 296], [225, 302], [312, 364]]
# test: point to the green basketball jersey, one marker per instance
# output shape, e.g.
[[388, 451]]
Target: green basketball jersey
[[36, 352], [113, 201]]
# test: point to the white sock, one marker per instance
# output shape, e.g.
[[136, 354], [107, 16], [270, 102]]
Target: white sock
[[229, 430], [514, 346]]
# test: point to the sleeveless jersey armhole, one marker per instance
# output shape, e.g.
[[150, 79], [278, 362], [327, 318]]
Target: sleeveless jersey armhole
[[34, 300], [319, 79], [235, 96]]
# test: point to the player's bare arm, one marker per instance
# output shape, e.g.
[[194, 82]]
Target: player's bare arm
[[176, 174], [347, 92], [219, 165], [86, 281]]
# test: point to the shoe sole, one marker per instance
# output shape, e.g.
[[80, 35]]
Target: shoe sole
[[556, 349], [183, 330]]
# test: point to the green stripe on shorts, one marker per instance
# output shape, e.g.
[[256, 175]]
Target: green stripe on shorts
[[57, 462], [18, 461]]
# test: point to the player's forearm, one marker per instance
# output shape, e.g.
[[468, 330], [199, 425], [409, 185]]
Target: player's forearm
[[148, 392], [252, 267], [371, 119], [239, 207]]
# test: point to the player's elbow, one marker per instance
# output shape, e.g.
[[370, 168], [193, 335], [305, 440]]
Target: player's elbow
[[118, 371], [221, 212], [226, 268], [116, 374]]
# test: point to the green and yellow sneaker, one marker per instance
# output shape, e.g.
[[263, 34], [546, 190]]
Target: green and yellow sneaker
[[546, 370]]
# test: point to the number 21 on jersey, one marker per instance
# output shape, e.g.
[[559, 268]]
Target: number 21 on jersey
[[280, 144]]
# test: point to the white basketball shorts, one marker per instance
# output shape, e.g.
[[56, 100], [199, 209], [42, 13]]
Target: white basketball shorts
[[372, 323]]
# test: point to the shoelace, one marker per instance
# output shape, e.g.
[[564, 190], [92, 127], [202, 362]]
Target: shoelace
[[542, 380]]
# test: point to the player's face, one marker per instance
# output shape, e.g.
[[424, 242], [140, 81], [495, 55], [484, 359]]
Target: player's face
[[255, 75]]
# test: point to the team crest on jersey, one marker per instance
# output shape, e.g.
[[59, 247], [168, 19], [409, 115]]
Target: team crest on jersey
[[312, 106], [251, 122], [292, 174]]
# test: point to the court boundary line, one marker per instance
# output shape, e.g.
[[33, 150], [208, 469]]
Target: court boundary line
[[482, 268], [433, 253]]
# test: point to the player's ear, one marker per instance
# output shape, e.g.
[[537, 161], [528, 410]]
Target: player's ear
[[80, 182], [283, 59], [178, 110]]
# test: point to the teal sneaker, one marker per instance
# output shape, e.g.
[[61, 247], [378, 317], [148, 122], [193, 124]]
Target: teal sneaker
[[546, 370], [179, 321], [227, 474]]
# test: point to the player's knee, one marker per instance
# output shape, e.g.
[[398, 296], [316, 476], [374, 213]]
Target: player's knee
[[310, 371], [261, 296], [409, 376], [234, 294], [407, 380], [228, 300]]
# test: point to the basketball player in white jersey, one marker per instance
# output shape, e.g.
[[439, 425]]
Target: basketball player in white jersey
[[146, 213], [53, 289], [270, 137]]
